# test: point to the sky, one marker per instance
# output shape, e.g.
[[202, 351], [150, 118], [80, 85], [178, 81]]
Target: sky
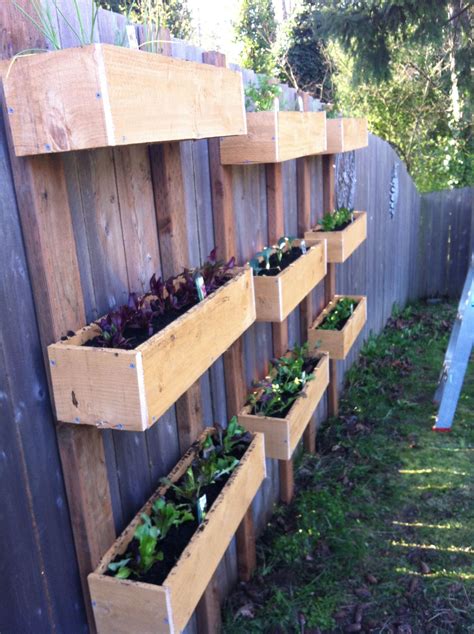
[[213, 23], [214, 20]]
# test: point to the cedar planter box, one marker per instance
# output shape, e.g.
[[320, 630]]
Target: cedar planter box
[[102, 95], [339, 342], [131, 389], [346, 134], [341, 244], [276, 136], [124, 606], [277, 296], [282, 435]]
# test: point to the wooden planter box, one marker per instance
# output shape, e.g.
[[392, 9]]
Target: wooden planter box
[[346, 134], [282, 435], [102, 95], [273, 137], [339, 342], [124, 606], [341, 244], [277, 296], [131, 389]]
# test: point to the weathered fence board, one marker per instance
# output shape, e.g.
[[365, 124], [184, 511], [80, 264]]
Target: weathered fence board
[[422, 250]]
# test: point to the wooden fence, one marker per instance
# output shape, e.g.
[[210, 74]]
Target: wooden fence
[[109, 221], [446, 231]]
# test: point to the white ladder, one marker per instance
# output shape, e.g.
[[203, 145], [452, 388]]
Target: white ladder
[[457, 356]]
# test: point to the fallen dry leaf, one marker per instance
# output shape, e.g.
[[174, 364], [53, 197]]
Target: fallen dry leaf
[[424, 568], [413, 585], [247, 611]]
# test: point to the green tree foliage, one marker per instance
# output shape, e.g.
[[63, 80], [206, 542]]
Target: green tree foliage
[[411, 111], [303, 56], [256, 29], [406, 65]]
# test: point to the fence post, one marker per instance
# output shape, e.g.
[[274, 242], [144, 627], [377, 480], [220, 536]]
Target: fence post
[[45, 216], [224, 231], [329, 178]]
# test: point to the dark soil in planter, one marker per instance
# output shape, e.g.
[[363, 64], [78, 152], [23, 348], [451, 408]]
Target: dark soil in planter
[[277, 267], [136, 337], [179, 537], [308, 367], [341, 324]]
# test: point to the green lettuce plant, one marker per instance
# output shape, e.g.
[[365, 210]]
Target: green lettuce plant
[[275, 394], [338, 316], [336, 219]]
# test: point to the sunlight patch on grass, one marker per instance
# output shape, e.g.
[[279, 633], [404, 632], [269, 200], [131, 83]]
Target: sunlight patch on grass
[[444, 549], [438, 574], [432, 470], [452, 525]]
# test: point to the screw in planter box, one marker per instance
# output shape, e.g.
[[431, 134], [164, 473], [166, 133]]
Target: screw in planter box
[[123, 602], [87, 97], [121, 373], [337, 327]]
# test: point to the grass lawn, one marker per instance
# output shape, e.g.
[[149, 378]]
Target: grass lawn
[[380, 536]]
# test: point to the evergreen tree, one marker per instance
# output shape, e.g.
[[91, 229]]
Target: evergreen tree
[[410, 65], [256, 29], [303, 58]]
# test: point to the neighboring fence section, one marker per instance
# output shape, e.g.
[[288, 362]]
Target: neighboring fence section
[[446, 243], [112, 205]]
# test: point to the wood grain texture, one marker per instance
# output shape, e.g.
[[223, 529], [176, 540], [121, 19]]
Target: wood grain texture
[[282, 435], [225, 236], [95, 106], [52, 259], [124, 606], [32, 492], [276, 229], [273, 137], [85, 379], [339, 342], [277, 296], [346, 134]]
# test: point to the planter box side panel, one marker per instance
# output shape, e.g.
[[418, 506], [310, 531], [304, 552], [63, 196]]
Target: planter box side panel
[[301, 134], [191, 345], [275, 430], [329, 341], [354, 235], [355, 325], [190, 577], [55, 102], [355, 133], [299, 279], [175, 99], [123, 607], [306, 406], [98, 387], [268, 298], [259, 145], [334, 132]]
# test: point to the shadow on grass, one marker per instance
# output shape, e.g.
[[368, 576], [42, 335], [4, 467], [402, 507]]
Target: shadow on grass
[[380, 535]]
